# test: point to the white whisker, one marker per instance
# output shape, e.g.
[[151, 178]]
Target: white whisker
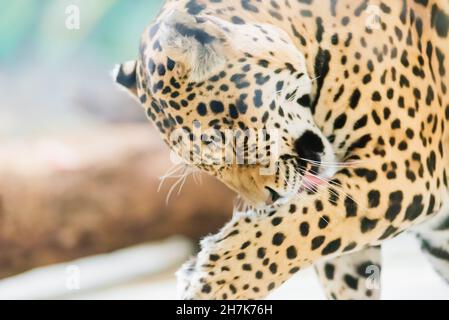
[[182, 178], [170, 174], [332, 164]]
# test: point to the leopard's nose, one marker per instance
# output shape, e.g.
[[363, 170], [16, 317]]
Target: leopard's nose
[[273, 196]]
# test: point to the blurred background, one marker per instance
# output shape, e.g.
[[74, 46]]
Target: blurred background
[[83, 214]]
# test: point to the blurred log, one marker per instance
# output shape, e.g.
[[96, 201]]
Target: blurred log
[[93, 192]]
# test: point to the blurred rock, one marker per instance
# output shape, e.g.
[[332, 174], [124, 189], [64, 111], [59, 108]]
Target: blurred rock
[[94, 191]]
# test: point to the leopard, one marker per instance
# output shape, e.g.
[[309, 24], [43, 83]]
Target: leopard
[[339, 115]]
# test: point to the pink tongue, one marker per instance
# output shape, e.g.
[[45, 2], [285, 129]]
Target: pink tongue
[[312, 181]]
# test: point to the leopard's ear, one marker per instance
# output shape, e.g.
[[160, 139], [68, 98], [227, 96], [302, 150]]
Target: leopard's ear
[[195, 42], [125, 75]]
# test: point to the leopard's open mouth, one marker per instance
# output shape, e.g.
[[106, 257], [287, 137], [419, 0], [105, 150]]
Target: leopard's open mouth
[[313, 178], [311, 182]]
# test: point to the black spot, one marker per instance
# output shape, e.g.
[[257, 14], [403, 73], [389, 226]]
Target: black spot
[[340, 121], [199, 35], [174, 105], [432, 205], [369, 175], [360, 143], [246, 4], [319, 29], [276, 221], [403, 15], [324, 222], [170, 64], [294, 270], [217, 107], [265, 117], [306, 13], [258, 98], [329, 271], [261, 79], [261, 253], [368, 224], [440, 21], [263, 63], [388, 232], [341, 90], [430, 95], [278, 239], [304, 101], [175, 83], [334, 39], [404, 59], [318, 206], [376, 117], [151, 66], [394, 206], [376, 97], [439, 253], [161, 69], [247, 267], [334, 7], [201, 109], [351, 207], [385, 8], [415, 208], [367, 79], [241, 256], [206, 288], [245, 245], [291, 252], [273, 268], [396, 124], [322, 61], [331, 247], [237, 20], [373, 198], [317, 242], [233, 111], [431, 162], [351, 246], [214, 257], [355, 98], [304, 229], [361, 122], [351, 281], [194, 8]]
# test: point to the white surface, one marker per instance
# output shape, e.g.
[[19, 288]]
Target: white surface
[[406, 275], [89, 274]]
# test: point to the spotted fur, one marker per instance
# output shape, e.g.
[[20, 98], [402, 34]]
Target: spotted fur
[[340, 83]]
